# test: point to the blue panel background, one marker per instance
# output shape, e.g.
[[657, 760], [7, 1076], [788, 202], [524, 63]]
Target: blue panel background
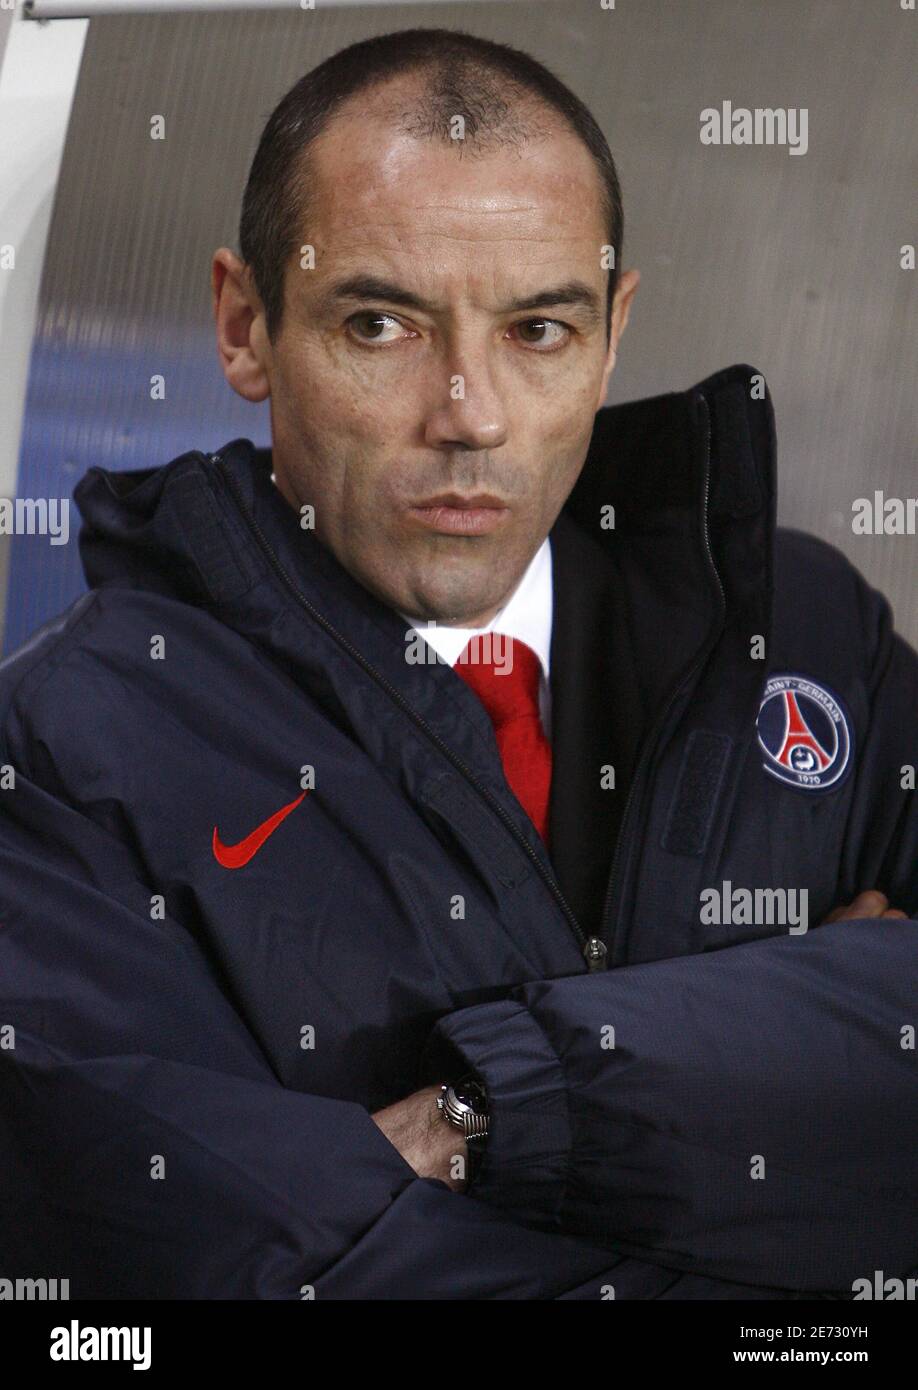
[[75, 400]]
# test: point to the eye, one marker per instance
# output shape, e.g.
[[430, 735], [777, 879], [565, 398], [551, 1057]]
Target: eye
[[545, 335], [369, 326]]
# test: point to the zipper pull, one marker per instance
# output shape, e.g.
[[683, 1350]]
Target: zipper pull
[[595, 953]]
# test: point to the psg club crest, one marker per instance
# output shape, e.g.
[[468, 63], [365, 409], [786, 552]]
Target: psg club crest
[[805, 734]]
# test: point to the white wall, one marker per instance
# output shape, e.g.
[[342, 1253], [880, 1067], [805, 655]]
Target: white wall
[[39, 64]]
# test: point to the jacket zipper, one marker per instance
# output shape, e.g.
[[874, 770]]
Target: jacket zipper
[[595, 958], [614, 887]]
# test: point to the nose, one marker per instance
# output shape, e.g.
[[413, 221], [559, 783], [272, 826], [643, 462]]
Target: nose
[[469, 412]]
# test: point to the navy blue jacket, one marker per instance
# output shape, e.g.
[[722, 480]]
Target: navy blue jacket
[[189, 1053]]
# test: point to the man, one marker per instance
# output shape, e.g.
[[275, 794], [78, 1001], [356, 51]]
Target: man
[[287, 851]]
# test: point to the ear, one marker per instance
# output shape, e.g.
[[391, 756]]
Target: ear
[[242, 340], [621, 312]]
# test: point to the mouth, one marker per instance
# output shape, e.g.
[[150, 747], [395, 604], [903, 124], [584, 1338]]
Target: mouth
[[452, 514]]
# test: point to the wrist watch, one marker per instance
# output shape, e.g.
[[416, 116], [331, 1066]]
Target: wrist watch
[[464, 1104]]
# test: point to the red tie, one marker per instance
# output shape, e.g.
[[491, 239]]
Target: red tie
[[504, 673]]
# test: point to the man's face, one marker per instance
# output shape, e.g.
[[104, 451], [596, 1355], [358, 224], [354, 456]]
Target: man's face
[[437, 381]]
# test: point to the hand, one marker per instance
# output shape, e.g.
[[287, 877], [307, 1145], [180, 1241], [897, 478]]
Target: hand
[[425, 1139], [871, 903]]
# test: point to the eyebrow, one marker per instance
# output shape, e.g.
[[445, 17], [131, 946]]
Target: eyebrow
[[573, 293]]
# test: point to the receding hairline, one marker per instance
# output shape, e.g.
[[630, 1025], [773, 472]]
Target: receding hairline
[[531, 120], [424, 102]]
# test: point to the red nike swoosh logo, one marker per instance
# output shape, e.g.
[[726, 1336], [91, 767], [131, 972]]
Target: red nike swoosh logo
[[234, 856]]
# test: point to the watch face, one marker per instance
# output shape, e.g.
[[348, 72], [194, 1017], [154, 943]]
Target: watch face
[[471, 1092]]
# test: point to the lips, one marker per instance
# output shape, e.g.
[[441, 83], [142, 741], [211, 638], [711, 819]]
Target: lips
[[454, 515], [463, 504]]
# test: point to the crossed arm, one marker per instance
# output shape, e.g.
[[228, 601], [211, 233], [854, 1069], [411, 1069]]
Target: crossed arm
[[431, 1146]]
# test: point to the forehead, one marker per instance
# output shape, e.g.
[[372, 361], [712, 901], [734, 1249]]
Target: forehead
[[372, 187]]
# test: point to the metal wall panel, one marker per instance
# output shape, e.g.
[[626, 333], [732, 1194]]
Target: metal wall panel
[[748, 253]]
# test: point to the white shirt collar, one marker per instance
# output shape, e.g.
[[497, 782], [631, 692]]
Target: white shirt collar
[[526, 616]]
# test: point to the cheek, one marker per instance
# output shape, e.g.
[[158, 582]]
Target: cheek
[[564, 439], [341, 409], [315, 385]]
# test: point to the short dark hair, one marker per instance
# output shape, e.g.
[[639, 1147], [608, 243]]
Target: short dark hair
[[466, 75]]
